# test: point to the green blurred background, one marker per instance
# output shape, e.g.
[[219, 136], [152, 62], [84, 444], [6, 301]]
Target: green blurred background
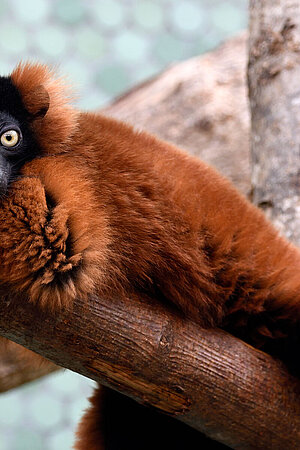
[[104, 47]]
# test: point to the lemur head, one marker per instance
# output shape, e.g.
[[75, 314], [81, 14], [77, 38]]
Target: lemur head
[[35, 118]]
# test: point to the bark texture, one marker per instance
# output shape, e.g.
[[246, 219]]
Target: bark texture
[[274, 73], [206, 378]]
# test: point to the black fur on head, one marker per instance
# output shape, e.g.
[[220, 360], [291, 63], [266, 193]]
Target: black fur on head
[[14, 116]]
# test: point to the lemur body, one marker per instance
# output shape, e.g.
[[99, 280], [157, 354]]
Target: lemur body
[[89, 205]]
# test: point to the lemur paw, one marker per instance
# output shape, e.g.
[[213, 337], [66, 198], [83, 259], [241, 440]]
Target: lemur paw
[[36, 251]]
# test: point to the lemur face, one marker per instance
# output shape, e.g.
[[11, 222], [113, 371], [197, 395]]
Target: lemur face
[[17, 143]]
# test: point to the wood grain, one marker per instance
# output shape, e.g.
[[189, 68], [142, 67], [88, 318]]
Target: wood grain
[[206, 378]]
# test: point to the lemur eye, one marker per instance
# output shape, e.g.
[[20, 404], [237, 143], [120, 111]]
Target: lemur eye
[[10, 138]]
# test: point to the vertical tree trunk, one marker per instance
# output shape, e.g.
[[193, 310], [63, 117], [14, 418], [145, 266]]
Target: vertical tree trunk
[[274, 85]]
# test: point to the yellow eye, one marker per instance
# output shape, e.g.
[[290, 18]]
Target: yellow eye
[[10, 138]]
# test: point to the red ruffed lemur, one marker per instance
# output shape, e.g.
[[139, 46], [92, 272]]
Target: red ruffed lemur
[[89, 205]]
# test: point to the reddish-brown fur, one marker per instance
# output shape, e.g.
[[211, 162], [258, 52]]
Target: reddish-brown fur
[[112, 210]]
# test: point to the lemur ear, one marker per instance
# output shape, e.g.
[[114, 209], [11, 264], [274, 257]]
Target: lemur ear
[[39, 102], [46, 97]]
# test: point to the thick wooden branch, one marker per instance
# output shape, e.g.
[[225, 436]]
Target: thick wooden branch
[[199, 104], [206, 378], [274, 73]]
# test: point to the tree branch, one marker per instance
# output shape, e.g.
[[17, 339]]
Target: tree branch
[[274, 73], [206, 378], [15, 370], [200, 105]]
